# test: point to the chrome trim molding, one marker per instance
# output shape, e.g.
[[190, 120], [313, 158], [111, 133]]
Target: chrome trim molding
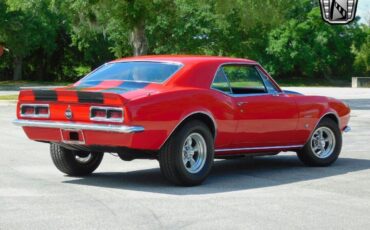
[[79, 126], [260, 148], [347, 129]]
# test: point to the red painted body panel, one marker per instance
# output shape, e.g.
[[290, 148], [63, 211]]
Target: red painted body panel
[[264, 121]]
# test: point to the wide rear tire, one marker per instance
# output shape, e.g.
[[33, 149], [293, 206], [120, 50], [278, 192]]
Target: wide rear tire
[[187, 157], [74, 163]]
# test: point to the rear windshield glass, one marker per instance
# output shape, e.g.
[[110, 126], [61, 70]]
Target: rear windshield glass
[[133, 71]]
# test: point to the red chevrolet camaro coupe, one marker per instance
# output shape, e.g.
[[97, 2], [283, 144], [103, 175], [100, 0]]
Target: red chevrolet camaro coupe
[[184, 111]]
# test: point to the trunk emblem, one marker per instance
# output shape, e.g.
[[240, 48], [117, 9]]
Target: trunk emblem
[[68, 113]]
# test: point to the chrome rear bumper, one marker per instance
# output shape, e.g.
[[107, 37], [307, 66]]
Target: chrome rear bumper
[[79, 126]]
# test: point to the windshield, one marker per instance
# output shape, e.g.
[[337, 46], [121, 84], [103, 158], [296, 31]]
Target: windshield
[[133, 71]]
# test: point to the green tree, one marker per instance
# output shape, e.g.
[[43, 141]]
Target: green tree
[[24, 30], [63, 40], [124, 23], [362, 54], [310, 47]]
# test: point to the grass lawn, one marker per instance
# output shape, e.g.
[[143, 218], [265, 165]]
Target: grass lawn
[[8, 97], [31, 83]]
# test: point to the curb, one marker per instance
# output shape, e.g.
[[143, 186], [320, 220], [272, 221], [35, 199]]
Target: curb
[[8, 102]]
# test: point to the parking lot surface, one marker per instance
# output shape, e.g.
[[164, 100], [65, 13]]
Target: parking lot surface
[[275, 192]]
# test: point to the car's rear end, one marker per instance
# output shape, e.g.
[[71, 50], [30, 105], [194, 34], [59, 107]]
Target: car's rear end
[[80, 118], [92, 114]]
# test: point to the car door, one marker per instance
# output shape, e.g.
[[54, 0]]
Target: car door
[[265, 116]]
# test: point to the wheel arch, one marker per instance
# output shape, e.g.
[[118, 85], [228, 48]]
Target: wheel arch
[[202, 116], [330, 115]]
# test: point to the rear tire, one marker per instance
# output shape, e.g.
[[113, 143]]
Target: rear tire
[[187, 156], [75, 163], [324, 145]]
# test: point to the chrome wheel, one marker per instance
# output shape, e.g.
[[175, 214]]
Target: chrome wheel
[[323, 142], [194, 153], [83, 159]]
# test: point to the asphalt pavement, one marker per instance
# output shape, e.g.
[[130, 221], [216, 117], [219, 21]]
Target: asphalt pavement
[[275, 192]]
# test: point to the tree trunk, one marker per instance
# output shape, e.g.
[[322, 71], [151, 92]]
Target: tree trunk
[[17, 68], [139, 40]]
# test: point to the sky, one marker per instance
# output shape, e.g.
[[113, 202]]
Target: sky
[[363, 9]]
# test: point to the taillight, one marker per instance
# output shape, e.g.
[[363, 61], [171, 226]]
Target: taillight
[[98, 113], [34, 110], [107, 114], [115, 114], [42, 110]]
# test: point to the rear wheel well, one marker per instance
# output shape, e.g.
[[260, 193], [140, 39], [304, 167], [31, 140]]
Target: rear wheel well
[[206, 119]]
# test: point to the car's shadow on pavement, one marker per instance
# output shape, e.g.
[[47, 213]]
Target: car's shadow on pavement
[[227, 176]]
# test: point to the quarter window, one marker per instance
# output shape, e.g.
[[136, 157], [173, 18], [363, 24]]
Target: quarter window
[[244, 79], [221, 83], [271, 88]]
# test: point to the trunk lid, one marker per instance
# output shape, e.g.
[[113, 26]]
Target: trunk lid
[[79, 98]]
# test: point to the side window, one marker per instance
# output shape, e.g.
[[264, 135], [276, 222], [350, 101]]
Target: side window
[[271, 88], [244, 79], [220, 82]]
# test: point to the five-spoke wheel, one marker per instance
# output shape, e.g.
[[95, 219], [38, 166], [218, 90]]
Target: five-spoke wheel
[[194, 153], [324, 146], [323, 142]]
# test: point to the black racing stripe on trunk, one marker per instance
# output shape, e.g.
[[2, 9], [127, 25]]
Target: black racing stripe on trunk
[[45, 95], [127, 87], [90, 97]]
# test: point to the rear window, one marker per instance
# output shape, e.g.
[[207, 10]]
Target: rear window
[[134, 71]]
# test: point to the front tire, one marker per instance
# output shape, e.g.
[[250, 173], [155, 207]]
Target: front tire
[[324, 146], [75, 163], [187, 157]]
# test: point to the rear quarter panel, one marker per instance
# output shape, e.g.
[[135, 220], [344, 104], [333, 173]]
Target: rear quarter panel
[[161, 113]]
